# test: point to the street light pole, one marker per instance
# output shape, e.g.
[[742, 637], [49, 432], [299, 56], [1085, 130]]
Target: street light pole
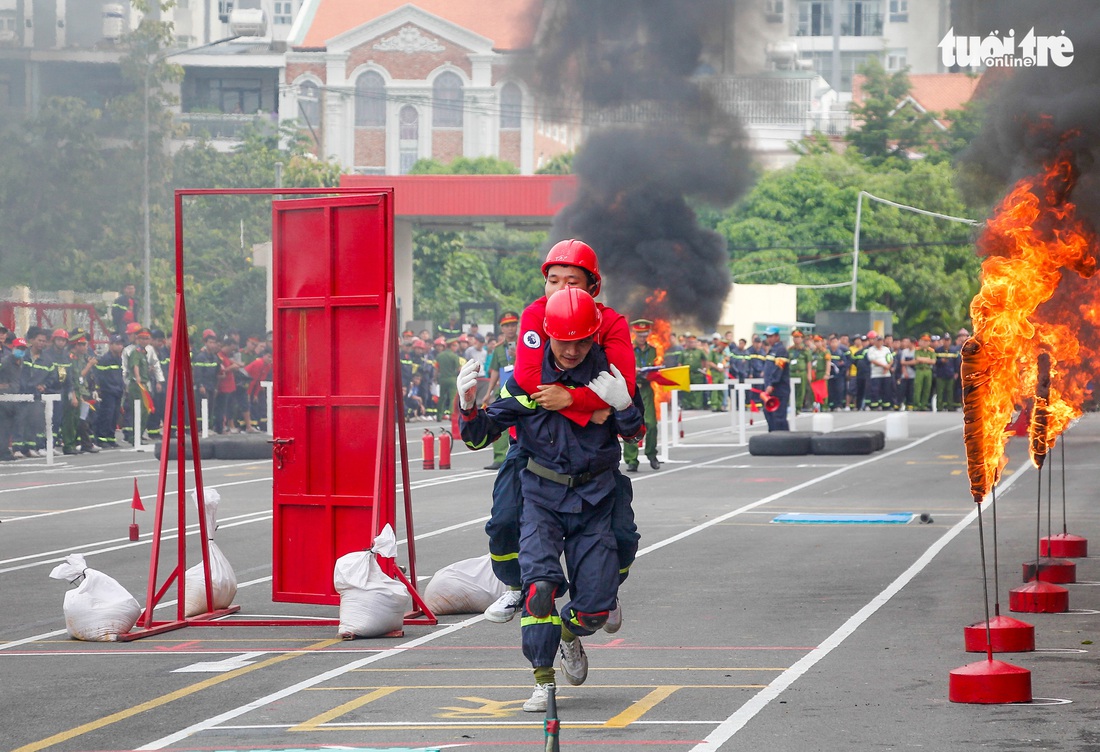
[[147, 307]]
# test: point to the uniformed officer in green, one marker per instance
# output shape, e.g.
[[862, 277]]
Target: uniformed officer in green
[[139, 375], [502, 363], [799, 368], [75, 391], [448, 365], [644, 355], [693, 357], [924, 357]]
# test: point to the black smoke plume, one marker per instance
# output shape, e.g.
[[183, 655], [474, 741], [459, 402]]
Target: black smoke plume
[[1036, 113], [655, 138]]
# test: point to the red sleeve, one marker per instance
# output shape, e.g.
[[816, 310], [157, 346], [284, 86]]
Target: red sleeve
[[529, 346], [614, 337]]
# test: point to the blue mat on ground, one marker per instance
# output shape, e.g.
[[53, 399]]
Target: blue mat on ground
[[888, 518]]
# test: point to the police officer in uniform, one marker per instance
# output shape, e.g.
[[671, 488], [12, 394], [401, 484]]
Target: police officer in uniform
[[799, 368], [777, 380], [75, 391], [644, 356]]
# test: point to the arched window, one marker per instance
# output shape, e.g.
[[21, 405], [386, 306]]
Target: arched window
[[370, 100], [511, 103], [309, 103], [408, 138], [447, 101]]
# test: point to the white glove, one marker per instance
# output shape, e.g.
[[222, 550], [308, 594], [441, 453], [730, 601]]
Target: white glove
[[611, 388], [467, 384]]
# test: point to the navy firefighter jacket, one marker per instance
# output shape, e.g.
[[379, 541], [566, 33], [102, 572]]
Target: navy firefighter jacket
[[554, 441], [776, 371]]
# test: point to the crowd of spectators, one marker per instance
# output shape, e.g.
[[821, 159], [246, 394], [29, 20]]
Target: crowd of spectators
[[106, 393], [430, 365], [863, 371]]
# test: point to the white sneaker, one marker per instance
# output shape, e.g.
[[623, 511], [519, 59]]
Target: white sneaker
[[574, 663], [614, 619], [537, 703], [505, 607]]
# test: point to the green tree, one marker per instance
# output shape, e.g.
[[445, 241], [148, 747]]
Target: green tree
[[495, 265], [890, 129], [796, 226]]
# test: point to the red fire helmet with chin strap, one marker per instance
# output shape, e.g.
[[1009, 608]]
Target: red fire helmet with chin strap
[[571, 314], [574, 252]]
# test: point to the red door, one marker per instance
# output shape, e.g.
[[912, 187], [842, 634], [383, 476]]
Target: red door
[[334, 422]]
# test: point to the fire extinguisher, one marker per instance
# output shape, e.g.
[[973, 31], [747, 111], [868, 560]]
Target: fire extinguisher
[[429, 449], [444, 449]]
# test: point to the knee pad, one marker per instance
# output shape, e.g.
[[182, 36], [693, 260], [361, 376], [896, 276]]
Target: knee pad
[[591, 622], [540, 598]]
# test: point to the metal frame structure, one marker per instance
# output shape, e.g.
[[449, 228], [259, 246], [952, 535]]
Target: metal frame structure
[[179, 399]]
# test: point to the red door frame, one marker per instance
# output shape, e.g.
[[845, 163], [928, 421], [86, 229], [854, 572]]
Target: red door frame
[[179, 400]]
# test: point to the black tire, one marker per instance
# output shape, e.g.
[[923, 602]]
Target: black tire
[[242, 449], [880, 439], [845, 442], [206, 449], [781, 443]]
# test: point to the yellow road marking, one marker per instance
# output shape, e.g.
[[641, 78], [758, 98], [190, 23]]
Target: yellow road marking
[[347, 707], [156, 702], [956, 472], [484, 708], [638, 709], [948, 456]]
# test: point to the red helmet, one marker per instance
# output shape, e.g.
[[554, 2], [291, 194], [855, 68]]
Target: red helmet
[[60, 333], [18, 342], [574, 253], [571, 314]]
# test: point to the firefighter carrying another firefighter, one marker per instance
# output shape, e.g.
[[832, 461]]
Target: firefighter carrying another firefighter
[[569, 488]]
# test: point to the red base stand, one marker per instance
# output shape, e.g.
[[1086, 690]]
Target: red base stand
[[1064, 545], [1038, 598], [1006, 635], [990, 682], [1058, 571]]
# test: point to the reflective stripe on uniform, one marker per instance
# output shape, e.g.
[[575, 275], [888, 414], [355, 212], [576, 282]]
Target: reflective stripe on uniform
[[530, 621]]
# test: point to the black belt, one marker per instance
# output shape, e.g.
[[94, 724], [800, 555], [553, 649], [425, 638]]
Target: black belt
[[566, 480]]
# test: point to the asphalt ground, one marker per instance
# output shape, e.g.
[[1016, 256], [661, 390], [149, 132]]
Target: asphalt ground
[[739, 633]]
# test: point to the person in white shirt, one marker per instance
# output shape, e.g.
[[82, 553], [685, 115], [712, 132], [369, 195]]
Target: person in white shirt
[[881, 359]]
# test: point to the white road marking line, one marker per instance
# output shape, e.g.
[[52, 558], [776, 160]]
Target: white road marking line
[[231, 663], [258, 703], [748, 711]]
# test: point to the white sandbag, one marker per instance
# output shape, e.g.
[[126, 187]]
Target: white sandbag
[[371, 602], [223, 580], [99, 609], [465, 587]]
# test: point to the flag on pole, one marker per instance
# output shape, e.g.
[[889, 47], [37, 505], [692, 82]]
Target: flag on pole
[[136, 504], [676, 377], [146, 399]]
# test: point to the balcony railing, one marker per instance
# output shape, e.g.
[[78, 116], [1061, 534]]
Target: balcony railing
[[226, 126], [851, 25]]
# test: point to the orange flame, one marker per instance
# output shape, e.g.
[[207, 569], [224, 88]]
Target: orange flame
[[1027, 305], [660, 337]]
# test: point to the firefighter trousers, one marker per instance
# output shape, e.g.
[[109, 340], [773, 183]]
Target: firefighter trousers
[[503, 527], [589, 546]]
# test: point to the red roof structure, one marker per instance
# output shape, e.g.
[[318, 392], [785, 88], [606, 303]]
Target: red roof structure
[[449, 200], [931, 92], [510, 24]]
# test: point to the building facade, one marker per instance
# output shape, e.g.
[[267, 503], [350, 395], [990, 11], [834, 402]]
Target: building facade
[[380, 88]]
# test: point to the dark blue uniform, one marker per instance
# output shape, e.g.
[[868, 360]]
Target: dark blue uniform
[[569, 487], [110, 385], [777, 376]]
